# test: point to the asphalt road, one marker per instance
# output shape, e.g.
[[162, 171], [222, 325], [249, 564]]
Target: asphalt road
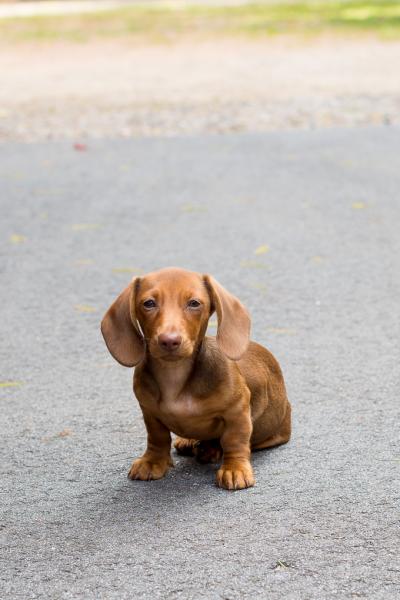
[[323, 519]]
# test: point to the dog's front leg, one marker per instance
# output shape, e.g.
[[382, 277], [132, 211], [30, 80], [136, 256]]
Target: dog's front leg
[[156, 461], [236, 472]]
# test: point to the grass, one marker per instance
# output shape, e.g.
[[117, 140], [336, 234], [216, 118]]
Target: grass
[[167, 23]]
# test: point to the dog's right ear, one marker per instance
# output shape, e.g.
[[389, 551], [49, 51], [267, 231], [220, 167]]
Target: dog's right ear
[[120, 329]]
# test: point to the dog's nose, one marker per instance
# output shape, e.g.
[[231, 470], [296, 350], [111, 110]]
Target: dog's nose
[[169, 341]]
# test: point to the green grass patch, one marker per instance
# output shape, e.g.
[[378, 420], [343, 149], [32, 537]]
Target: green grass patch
[[167, 23]]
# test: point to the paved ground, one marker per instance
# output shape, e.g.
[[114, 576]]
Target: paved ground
[[322, 521]]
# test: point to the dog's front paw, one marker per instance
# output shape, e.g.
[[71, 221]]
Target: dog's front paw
[[235, 476], [146, 469]]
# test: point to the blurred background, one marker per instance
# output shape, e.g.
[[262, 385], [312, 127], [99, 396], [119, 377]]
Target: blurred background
[[80, 69]]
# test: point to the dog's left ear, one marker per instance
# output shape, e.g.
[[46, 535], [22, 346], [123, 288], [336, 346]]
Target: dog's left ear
[[120, 329], [233, 333]]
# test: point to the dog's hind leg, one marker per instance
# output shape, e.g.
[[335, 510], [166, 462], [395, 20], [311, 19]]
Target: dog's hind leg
[[208, 451], [281, 437], [184, 446]]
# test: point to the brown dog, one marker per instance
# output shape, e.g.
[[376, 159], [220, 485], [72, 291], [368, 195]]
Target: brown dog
[[222, 396]]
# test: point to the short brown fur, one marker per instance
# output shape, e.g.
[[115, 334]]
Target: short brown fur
[[222, 396]]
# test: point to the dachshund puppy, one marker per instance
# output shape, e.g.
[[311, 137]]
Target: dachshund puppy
[[223, 396]]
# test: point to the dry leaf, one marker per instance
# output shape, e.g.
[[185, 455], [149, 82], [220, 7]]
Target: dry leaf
[[15, 238], [6, 384], [281, 565], [317, 259], [252, 264], [189, 208], [84, 261], [84, 308], [259, 286], [128, 270], [64, 433], [282, 330], [262, 250]]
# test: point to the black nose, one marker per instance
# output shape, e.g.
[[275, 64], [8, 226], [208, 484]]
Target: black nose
[[169, 341]]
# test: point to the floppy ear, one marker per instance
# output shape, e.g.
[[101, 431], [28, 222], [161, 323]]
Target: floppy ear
[[120, 330], [233, 333]]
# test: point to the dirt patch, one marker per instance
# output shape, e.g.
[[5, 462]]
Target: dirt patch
[[103, 89]]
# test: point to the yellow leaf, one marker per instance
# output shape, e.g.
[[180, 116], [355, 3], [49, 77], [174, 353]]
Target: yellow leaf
[[5, 384], [85, 226], [259, 286], [358, 205], [127, 270], [84, 261], [84, 308], [262, 250], [189, 208], [317, 259], [252, 264], [282, 330], [15, 238]]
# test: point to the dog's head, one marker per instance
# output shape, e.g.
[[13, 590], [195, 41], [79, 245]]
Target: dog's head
[[167, 311]]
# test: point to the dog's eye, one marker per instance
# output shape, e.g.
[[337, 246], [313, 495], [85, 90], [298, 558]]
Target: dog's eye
[[149, 304], [193, 304]]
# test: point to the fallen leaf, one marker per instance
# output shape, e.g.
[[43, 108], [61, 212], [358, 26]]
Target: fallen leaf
[[259, 286], [281, 565], [252, 264], [80, 147], [282, 330], [358, 205], [128, 270], [261, 250], [84, 262], [84, 308], [85, 226], [190, 208], [15, 238], [62, 434], [6, 384], [317, 259]]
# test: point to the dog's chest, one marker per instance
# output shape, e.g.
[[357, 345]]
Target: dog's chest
[[183, 406], [187, 416]]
